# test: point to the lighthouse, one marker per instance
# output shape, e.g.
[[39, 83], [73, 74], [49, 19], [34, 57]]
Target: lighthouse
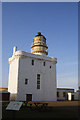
[[32, 76]]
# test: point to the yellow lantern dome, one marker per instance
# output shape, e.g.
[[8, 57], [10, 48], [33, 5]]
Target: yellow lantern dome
[[39, 45]]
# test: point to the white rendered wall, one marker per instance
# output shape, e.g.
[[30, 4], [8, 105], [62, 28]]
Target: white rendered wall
[[13, 77], [47, 92], [21, 68], [61, 95]]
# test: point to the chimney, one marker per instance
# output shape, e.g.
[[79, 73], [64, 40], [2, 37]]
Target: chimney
[[14, 49]]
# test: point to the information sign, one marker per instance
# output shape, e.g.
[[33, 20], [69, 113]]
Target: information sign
[[14, 106]]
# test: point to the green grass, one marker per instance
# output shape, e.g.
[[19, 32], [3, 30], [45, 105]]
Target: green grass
[[38, 112]]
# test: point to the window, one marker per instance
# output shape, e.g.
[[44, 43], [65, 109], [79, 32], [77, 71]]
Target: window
[[26, 81], [64, 94], [50, 66], [38, 86], [44, 41], [43, 63], [38, 76], [38, 81], [57, 94], [32, 62]]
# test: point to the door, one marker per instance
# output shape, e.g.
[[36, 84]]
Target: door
[[28, 97], [5, 96], [72, 97], [67, 96]]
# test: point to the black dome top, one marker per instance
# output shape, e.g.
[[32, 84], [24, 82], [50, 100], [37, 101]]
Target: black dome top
[[39, 34]]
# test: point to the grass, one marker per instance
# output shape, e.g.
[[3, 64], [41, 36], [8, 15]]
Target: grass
[[56, 112]]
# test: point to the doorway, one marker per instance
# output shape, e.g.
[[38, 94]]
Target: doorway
[[72, 97], [28, 97]]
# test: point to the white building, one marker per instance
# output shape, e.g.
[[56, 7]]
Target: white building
[[65, 94], [68, 94], [32, 76]]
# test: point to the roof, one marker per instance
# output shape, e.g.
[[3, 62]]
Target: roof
[[78, 90], [39, 34], [4, 90], [64, 89], [26, 54], [1, 89]]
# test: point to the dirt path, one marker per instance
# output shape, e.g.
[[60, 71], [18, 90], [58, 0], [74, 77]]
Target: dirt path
[[59, 103]]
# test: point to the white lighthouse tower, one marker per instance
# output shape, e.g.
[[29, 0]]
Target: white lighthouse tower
[[32, 76]]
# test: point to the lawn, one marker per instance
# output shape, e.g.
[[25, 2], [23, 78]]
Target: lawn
[[56, 112]]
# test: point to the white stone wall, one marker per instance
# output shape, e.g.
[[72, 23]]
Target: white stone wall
[[13, 77], [21, 68], [47, 91]]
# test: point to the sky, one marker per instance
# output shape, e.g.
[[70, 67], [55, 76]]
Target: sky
[[57, 21]]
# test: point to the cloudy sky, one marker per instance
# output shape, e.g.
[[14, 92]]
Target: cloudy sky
[[57, 21]]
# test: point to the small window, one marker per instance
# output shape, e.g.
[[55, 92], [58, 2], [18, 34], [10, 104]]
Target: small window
[[57, 94], [38, 76], [38, 86], [43, 63], [64, 94], [50, 67], [26, 81], [38, 81], [32, 62]]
